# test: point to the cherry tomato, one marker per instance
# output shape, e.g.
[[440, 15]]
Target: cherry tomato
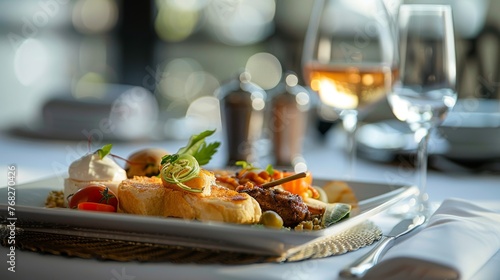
[[93, 193], [94, 206]]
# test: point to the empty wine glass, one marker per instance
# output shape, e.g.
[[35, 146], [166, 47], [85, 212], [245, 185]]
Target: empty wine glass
[[349, 58], [425, 91]]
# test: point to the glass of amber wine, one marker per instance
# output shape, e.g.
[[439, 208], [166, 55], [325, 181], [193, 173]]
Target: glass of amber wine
[[349, 58]]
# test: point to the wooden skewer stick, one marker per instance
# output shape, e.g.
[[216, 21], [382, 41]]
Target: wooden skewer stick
[[284, 180]]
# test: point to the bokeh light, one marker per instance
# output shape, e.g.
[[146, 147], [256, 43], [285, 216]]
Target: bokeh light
[[30, 61], [90, 85], [182, 82], [205, 111], [134, 113], [299, 164], [94, 16], [240, 22], [177, 20], [265, 70]]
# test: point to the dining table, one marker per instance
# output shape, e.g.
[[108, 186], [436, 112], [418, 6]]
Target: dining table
[[37, 159]]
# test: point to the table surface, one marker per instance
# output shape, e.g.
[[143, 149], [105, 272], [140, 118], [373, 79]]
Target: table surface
[[37, 159]]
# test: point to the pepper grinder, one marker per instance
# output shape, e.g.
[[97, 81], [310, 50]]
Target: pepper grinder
[[243, 105], [288, 120]]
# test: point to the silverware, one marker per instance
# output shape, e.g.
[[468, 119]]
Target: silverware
[[359, 267]]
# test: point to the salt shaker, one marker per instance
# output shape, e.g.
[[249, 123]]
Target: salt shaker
[[243, 111], [288, 120]]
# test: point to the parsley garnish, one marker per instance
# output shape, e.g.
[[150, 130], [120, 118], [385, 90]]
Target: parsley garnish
[[196, 147]]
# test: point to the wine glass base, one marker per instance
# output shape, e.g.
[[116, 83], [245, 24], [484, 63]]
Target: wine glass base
[[410, 208]]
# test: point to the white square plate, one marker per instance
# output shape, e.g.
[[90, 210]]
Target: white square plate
[[30, 213]]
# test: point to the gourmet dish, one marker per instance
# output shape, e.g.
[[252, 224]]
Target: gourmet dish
[[156, 183]]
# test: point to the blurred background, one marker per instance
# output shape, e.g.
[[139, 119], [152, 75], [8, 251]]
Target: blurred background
[[157, 65], [58, 52]]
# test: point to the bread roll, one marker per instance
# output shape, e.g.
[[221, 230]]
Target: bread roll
[[148, 196], [145, 162], [338, 191]]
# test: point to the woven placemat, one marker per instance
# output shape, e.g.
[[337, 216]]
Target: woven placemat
[[352, 239]]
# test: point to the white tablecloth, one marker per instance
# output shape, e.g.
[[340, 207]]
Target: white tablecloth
[[35, 159]]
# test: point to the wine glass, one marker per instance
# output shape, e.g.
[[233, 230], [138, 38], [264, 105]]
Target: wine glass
[[425, 90], [349, 58]]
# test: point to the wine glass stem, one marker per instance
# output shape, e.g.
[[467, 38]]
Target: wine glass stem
[[350, 123], [422, 158]]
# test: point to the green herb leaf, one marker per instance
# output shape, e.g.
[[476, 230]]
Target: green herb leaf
[[195, 142], [334, 212], [270, 169], [105, 150], [244, 165], [198, 148], [205, 153], [169, 159]]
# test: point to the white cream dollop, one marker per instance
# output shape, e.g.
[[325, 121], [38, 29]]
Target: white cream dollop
[[92, 168]]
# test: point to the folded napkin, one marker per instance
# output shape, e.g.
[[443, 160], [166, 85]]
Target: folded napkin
[[458, 240]]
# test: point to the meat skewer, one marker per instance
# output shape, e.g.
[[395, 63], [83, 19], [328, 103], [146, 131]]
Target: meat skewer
[[290, 207], [284, 180]]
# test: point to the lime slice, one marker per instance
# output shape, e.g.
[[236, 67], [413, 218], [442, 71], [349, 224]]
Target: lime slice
[[335, 212]]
